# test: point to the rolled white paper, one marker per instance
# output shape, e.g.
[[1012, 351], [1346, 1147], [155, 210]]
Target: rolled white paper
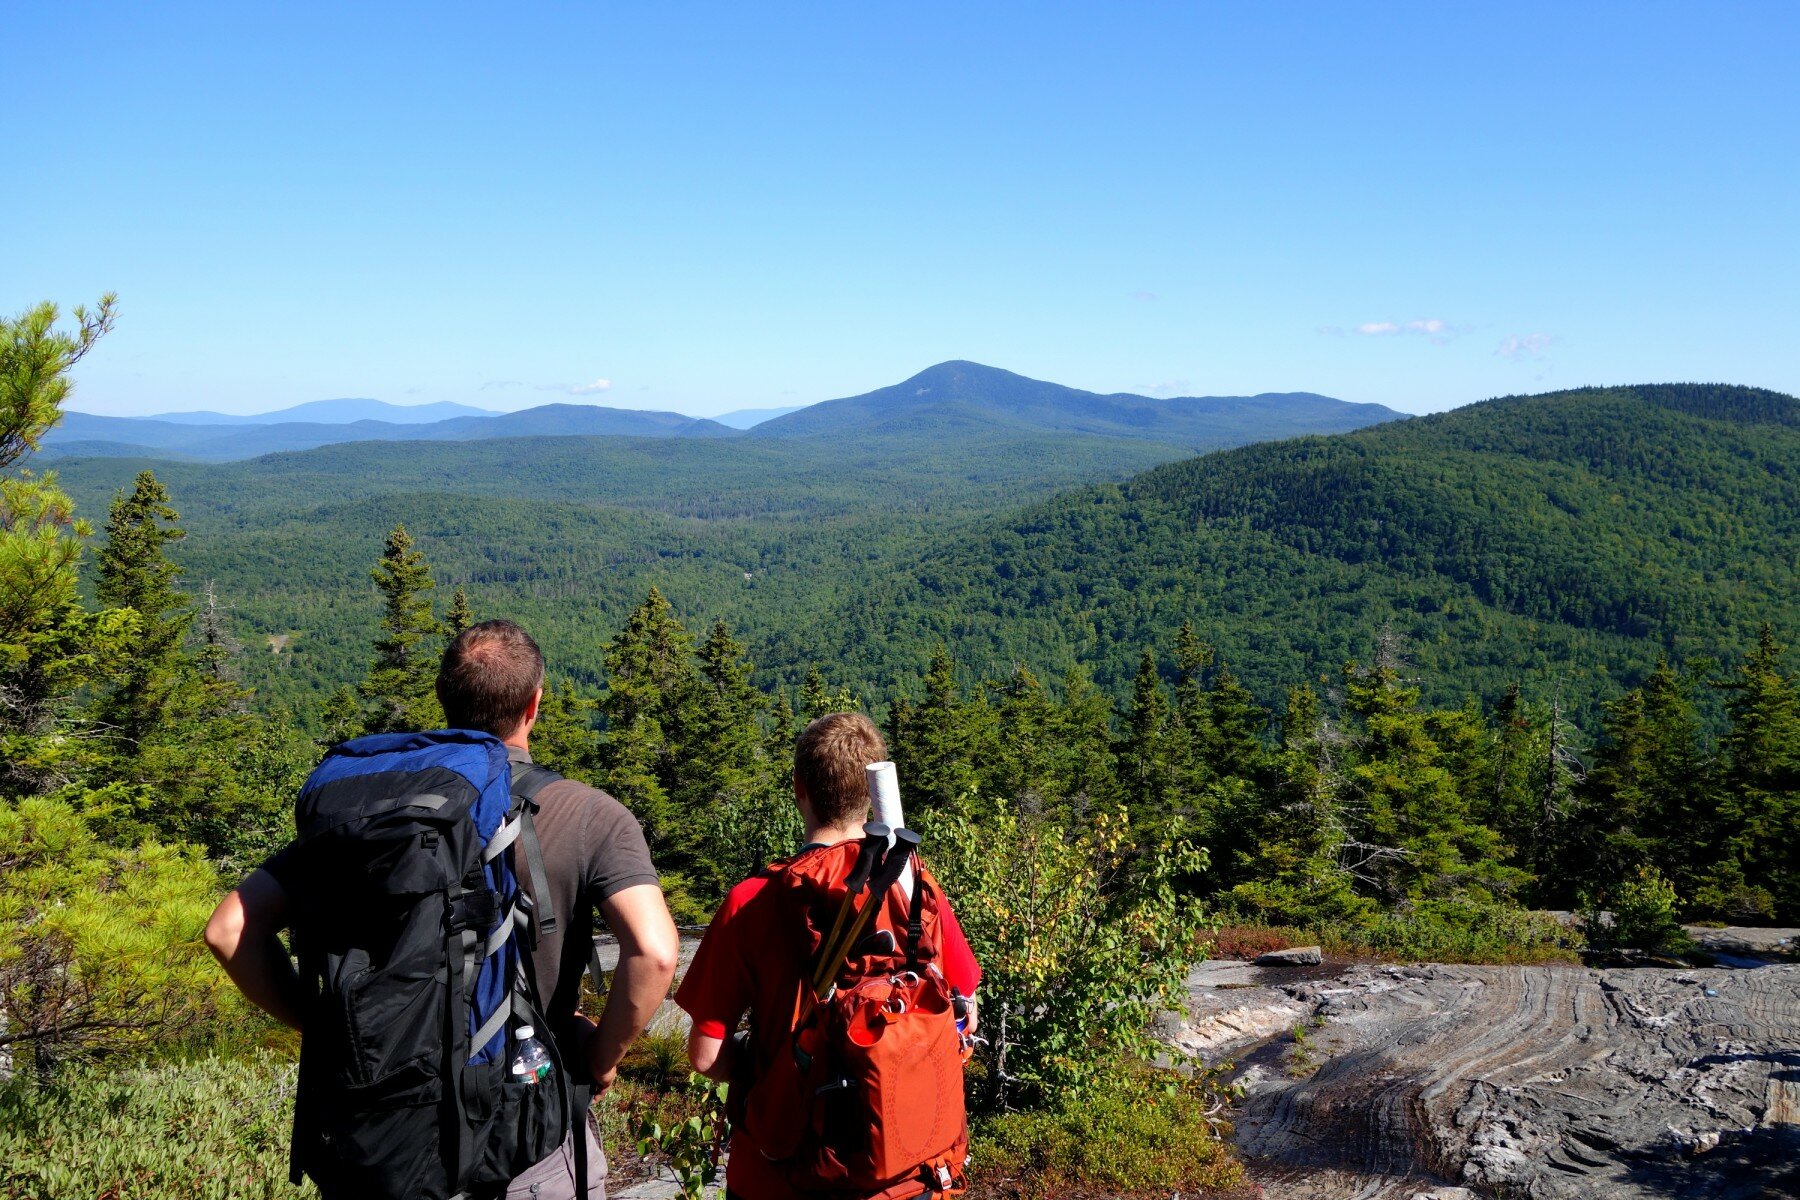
[[884, 797]]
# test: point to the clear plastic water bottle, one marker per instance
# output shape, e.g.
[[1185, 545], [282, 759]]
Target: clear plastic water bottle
[[531, 1064]]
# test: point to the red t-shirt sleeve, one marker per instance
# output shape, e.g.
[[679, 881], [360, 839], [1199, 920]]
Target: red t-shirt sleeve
[[717, 989], [960, 967]]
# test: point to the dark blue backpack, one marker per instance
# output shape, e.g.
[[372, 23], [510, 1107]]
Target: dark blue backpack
[[414, 938]]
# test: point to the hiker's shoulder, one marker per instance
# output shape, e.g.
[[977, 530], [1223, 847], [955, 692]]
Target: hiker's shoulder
[[749, 902], [573, 805]]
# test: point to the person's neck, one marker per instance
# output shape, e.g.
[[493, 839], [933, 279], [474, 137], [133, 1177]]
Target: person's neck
[[831, 835]]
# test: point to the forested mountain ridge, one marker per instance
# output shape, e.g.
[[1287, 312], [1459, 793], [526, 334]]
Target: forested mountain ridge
[[966, 395], [1568, 539]]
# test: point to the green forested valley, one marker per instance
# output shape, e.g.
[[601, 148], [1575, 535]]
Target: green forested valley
[[1564, 541]]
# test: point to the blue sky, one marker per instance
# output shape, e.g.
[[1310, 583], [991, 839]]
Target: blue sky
[[709, 207]]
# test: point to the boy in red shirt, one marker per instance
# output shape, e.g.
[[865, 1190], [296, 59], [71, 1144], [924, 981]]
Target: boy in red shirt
[[748, 965]]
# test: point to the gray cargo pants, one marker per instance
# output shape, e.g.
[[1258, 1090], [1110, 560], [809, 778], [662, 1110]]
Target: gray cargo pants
[[554, 1177]]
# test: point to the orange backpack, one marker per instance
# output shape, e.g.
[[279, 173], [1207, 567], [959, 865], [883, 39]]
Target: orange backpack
[[865, 1097]]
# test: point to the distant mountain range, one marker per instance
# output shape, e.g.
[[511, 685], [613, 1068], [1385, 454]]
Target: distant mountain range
[[333, 412], [951, 399], [87, 435], [966, 395], [748, 418]]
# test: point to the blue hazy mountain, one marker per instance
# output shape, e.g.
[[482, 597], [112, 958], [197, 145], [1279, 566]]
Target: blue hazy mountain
[[87, 434], [748, 418], [333, 412], [955, 396]]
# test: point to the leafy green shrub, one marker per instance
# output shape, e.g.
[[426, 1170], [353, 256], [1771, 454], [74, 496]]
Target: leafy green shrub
[[1429, 931], [1136, 1132], [689, 1144], [1449, 931], [1643, 908], [1081, 934], [208, 1129], [100, 947]]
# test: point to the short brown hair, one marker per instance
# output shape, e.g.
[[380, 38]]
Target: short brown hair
[[830, 760], [489, 674]]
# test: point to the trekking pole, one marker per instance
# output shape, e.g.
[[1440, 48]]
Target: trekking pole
[[874, 841], [884, 798], [906, 842]]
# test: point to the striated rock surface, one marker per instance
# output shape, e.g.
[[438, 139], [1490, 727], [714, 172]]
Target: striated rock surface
[[1545, 1082]]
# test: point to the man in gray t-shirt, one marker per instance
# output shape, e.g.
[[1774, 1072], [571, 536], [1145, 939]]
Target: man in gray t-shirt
[[595, 860]]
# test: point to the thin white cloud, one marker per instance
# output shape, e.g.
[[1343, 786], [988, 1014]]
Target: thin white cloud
[[1145, 296], [1530, 346], [574, 389], [1436, 330], [1169, 387], [494, 384]]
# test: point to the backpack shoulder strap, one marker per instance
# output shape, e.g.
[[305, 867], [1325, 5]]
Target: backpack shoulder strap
[[915, 917], [526, 784]]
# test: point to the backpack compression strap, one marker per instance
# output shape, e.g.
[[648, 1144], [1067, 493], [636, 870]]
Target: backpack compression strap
[[525, 787], [915, 925]]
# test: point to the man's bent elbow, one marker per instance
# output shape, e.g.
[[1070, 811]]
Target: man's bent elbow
[[664, 957], [225, 929]]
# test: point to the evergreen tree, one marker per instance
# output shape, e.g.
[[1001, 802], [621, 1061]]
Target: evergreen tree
[[778, 744], [1233, 747], [51, 646], [1412, 835], [460, 616], [564, 738], [1145, 767], [937, 743], [1509, 802], [649, 709], [135, 573], [727, 754], [340, 718], [818, 698], [1081, 734], [1190, 727], [35, 360], [1652, 803], [1761, 783], [398, 693], [218, 650], [1290, 870], [1022, 764]]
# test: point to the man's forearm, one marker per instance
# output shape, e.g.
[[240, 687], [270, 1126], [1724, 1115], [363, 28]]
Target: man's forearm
[[265, 974], [639, 984], [244, 934]]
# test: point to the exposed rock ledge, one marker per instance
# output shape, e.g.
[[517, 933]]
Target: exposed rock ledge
[[1546, 1082]]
